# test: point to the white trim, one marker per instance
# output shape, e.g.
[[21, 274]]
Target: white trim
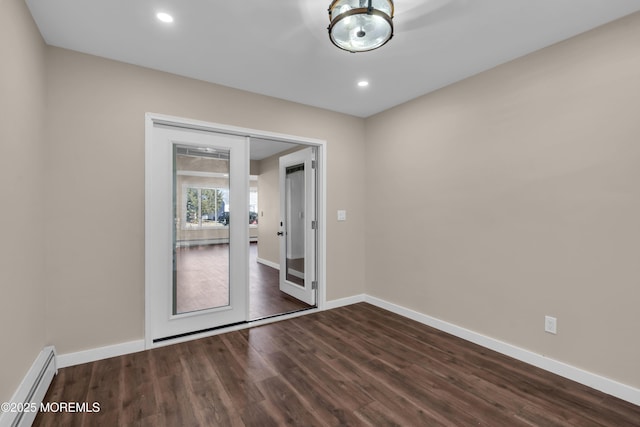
[[201, 242], [148, 265], [249, 324], [202, 174], [268, 263], [321, 211], [91, 355], [605, 385], [151, 119], [296, 273], [31, 390], [231, 130], [345, 301]]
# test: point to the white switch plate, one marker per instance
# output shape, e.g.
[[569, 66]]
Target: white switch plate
[[342, 215]]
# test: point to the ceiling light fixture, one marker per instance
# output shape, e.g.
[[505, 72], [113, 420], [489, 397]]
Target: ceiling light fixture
[[363, 83], [360, 25], [164, 17]]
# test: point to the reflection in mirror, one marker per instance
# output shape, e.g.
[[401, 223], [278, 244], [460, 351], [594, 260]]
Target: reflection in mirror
[[267, 260], [201, 228], [294, 211]]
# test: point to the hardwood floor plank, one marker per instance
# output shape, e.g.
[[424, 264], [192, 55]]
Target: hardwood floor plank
[[209, 401], [429, 401], [249, 360], [216, 410], [104, 387], [533, 417], [395, 403], [241, 389], [284, 402], [324, 406], [175, 402], [364, 344], [326, 376], [256, 415], [331, 405], [355, 365], [625, 409], [376, 414], [137, 392], [447, 396]]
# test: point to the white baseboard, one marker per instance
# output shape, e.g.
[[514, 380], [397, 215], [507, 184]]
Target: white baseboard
[[605, 385], [296, 273], [203, 242], [268, 263], [28, 397], [77, 358], [344, 301]]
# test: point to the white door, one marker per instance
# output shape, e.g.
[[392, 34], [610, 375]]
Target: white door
[[298, 225], [197, 234]]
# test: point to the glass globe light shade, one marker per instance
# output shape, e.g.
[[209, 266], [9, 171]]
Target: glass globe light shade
[[360, 25]]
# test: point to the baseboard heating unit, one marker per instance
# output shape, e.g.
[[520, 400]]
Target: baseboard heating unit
[[23, 407]]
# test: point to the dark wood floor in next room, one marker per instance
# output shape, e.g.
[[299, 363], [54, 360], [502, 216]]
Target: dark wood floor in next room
[[355, 365], [203, 282]]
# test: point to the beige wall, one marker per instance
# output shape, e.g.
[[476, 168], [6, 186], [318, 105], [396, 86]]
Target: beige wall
[[269, 206], [95, 126], [515, 194], [22, 190]]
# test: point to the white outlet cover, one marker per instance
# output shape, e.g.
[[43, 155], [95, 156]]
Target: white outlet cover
[[342, 215], [550, 324]]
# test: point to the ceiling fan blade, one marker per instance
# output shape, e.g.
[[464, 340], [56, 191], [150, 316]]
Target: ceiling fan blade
[[291, 25], [421, 14], [309, 25]]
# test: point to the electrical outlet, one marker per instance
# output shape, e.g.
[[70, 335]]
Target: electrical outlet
[[550, 324]]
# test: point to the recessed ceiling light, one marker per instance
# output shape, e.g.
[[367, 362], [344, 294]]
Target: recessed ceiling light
[[164, 17], [363, 83]]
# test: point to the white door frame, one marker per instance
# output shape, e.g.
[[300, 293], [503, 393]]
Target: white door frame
[[321, 155]]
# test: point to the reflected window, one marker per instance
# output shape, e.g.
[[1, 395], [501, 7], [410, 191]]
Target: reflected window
[[205, 207]]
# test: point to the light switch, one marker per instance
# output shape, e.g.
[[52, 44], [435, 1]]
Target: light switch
[[342, 215]]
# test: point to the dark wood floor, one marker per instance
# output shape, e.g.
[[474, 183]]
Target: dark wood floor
[[266, 298], [203, 282], [355, 365]]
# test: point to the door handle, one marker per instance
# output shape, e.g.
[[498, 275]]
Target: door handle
[[280, 233]]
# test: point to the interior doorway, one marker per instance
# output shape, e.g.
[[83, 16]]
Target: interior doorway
[[220, 264], [284, 224], [298, 224]]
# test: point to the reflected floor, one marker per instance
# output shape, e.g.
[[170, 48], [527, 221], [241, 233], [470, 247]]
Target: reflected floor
[[295, 270], [203, 273]]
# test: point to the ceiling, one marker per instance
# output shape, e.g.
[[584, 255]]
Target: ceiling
[[260, 149], [281, 48]]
